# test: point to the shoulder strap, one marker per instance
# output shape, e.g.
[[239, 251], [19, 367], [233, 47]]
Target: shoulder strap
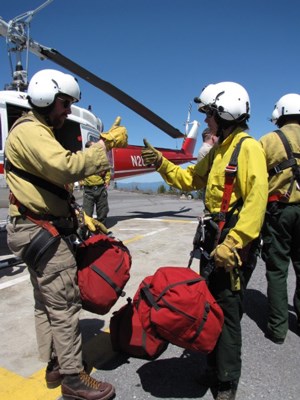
[[230, 174], [290, 162], [35, 180]]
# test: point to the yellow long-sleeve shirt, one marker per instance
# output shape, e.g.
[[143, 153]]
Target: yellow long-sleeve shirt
[[251, 182], [95, 180], [275, 154], [31, 146]]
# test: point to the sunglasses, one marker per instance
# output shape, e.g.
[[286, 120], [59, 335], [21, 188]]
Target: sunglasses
[[65, 102], [210, 112]]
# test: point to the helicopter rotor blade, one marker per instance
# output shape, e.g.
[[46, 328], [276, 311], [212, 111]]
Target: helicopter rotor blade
[[111, 90]]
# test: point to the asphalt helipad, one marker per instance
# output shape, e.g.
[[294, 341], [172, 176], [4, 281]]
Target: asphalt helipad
[[158, 230]]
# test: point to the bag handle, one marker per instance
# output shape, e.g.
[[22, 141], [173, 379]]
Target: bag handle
[[149, 296], [116, 288]]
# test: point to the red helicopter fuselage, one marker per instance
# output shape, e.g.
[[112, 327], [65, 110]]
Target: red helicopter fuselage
[[128, 161]]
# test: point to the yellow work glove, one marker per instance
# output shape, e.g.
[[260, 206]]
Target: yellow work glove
[[116, 136], [226, 254], [150, 155], [93, 225]]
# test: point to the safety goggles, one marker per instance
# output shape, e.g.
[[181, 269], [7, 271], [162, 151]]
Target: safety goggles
[[210, 112], [65, 102]]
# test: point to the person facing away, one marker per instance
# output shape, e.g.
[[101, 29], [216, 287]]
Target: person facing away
[[42, 219], [209, 140], [281, 229], [95, 193], [227, 109]]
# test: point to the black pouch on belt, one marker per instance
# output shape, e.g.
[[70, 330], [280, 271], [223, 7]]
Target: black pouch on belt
[[42, 243], [212, 235]]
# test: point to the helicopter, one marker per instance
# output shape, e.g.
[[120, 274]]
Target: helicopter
[[81, 125]]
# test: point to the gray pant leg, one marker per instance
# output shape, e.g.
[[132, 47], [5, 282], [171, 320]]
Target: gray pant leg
[[42, 323], [88, 201], [102, 207], [62, 301], [57, 300]]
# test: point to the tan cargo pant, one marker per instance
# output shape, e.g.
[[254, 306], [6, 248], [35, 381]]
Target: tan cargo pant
[[57, 299]]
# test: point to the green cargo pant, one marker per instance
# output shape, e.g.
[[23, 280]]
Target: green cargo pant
[[57, 301], [280, 235], [226, 356], [225, 359], [96, 196]]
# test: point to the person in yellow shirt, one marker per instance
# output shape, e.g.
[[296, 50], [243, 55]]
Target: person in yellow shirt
[[281, 229], [227, 109], [38, 171], [95, 193], [208, 141]]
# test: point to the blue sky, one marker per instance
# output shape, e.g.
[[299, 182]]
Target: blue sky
[[163, 52]]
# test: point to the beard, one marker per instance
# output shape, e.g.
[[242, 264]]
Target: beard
[[58, 121]]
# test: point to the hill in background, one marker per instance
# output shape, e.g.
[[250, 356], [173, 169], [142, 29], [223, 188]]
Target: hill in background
[[155, 187], [143, 186]]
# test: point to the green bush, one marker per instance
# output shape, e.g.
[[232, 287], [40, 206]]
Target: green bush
[[161, 189]]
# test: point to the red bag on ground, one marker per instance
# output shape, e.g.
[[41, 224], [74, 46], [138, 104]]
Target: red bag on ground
[[128, 336], [177, 304], [103, 270]]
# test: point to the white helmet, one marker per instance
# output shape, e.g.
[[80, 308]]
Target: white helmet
[[229, 99], [46, 84], [288, 104]]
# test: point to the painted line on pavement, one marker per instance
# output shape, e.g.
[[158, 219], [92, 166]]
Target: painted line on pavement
[[175, 221], [16, 281], [139, 237], [16, 387], [13, 282]]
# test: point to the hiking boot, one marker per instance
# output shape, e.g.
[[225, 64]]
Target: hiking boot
[[226, 390], [82, 386], [208, 378], [53, 377], [275, 339], [226, 394]]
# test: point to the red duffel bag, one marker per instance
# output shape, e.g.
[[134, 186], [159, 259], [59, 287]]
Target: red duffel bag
[[104, 266], [128, 335], [177, 305]]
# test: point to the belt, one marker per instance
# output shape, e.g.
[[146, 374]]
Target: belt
[[19, 220], [278, 197], [93, 186]]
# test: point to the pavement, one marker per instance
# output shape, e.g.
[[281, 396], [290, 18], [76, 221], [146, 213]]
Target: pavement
[[158, 230]]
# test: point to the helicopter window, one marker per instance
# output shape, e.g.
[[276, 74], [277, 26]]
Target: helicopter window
[[13, 113], [89, 134], [92, 137], [69, 136]]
